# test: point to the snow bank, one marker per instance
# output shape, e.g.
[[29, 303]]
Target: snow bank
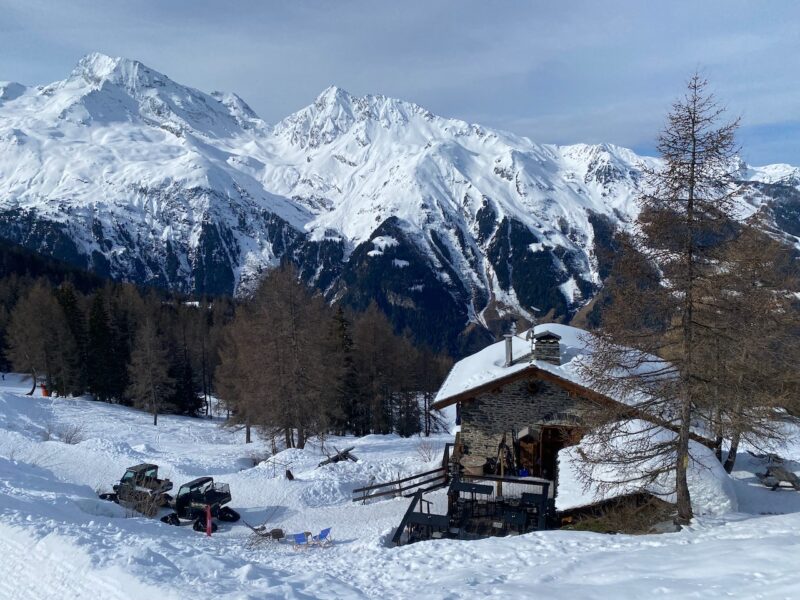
[[711, 488]]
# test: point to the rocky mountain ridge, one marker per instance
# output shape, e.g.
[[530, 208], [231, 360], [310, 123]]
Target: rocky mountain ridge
[[452, 228]]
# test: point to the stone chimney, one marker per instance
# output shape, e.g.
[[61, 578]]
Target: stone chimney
[[546, 347], [509, 349]]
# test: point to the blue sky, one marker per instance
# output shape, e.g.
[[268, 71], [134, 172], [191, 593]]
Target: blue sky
[[559, 72]]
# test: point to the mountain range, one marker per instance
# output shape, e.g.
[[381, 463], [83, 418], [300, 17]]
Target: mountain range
[[454, 229]]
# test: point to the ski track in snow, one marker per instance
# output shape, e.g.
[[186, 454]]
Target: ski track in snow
[[60, 541]]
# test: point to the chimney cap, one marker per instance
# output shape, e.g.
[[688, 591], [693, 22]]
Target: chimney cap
[[545, 335], [509, 344]]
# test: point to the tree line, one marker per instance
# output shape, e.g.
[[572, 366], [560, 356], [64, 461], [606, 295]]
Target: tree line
[[700, 328], [295, 367], [282, 360], [118, 343]]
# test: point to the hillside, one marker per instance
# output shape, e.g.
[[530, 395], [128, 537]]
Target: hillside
[[452, 228]]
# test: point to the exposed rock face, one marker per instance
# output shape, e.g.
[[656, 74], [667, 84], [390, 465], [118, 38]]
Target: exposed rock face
[[121, 170]]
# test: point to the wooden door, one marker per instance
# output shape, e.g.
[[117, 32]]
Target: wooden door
[[529, 455]]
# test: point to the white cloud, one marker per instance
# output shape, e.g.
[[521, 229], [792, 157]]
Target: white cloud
[[556, 72]]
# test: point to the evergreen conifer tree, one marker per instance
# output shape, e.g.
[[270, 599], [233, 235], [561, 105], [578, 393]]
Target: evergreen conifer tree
[[186, 400], [76, 323], [347, 393], [100, 350]]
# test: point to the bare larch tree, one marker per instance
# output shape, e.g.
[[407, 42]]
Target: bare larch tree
[[150, 382], [647, 350]]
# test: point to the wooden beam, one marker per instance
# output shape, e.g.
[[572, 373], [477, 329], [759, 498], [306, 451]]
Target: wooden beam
[[400, 490], [397, 481]]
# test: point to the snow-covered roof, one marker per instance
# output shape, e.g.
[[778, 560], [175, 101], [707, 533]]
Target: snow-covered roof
[[487, 365], [538, 335]]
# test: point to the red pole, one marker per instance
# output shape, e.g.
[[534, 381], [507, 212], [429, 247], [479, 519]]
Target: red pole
[[208, 520]]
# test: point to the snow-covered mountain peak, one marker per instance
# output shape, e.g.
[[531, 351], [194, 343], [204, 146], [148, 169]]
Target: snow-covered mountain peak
[[11, 90], [603, 151], [333, 95], [604, 164], [334, 99], [241, 111], [779, 173], [95, 71], [336, 112], [96, 68], [104, 89]]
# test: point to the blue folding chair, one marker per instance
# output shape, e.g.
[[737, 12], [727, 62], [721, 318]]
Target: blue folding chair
[[323, 539], [300, 541]]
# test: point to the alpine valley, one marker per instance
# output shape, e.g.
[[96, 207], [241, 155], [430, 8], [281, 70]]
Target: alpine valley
[[454, 229]]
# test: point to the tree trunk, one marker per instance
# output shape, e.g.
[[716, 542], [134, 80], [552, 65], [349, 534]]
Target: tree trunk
[[682, 451], [247, 438], [718, 435], [682, 455], [33, 387], [731, 460], [203, 375], [718, 438], [427, 414], [153, 399]]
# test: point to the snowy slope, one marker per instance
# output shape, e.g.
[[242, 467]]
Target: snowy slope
[[120, 169], [122, 166], [58, 540]]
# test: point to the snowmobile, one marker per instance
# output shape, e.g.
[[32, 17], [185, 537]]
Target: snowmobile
[[775, 475], [141, 489], [198, 496]]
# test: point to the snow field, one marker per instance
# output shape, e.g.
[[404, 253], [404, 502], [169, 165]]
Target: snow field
[[60, 541]]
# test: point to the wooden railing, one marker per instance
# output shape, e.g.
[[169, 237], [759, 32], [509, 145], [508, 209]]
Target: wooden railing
[[433, 479], [542, 488], [398, 534]]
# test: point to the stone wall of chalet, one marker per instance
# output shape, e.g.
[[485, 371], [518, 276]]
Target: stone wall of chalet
[[519, 404]]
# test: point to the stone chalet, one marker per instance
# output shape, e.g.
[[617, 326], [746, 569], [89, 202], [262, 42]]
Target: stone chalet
[[520, 401]]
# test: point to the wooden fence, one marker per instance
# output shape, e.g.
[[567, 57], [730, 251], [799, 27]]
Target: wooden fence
[[407, 486]]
